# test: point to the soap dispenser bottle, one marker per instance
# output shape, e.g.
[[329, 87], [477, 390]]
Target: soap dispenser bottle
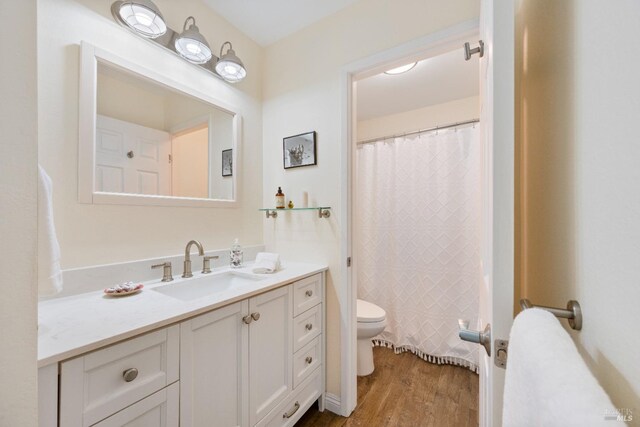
[[236, 255], [279, 199]]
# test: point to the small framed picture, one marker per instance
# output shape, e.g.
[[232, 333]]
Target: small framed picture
[[299, 150], [227, 162]]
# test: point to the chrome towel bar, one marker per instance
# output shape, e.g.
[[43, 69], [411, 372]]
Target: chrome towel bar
[[573, 312]]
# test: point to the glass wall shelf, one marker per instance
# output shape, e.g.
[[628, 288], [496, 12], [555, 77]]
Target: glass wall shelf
[[323, 211]]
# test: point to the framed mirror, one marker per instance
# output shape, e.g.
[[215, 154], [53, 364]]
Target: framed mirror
[[146, 139]]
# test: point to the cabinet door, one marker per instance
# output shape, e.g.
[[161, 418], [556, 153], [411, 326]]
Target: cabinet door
[[160, 409], [270, 351], [214, 367]]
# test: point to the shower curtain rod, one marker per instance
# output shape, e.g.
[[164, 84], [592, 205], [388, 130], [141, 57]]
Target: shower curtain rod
[[366, 141]]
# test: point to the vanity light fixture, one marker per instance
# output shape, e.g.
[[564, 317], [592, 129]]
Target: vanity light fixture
[[192, 45], [229, 66], [401, 69], [142, 16]]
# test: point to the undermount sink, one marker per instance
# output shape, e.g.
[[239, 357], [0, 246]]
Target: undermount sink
[[206, 285]]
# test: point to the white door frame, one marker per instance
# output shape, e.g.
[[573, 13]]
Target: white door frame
[[417, 49]]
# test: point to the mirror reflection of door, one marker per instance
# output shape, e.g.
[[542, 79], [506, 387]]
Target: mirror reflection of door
[[154, 140], [131, 158]]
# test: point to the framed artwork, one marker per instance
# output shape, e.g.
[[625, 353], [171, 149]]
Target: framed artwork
[[227, 162], [299, 150]]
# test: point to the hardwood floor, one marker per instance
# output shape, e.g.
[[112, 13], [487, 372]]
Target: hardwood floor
[[407, 391]]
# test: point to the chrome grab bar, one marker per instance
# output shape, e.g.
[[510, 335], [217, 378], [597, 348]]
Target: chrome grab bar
[[573, 312]]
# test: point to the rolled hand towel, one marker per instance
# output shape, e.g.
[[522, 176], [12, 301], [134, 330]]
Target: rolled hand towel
[[266, 262]]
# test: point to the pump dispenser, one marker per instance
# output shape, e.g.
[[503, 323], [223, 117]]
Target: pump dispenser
[[236, 254]]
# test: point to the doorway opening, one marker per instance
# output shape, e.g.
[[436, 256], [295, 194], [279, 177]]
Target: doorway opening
[[416, 199], [416, 50]]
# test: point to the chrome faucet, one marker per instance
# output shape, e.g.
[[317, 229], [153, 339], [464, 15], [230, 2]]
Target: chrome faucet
[[187, 257]]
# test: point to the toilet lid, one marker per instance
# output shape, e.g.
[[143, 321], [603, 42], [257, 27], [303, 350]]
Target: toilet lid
[[369, 312]]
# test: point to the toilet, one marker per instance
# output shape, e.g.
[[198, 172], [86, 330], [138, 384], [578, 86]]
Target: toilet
[[371, 321]]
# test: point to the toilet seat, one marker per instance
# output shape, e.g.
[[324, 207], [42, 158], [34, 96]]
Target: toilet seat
[[369, 313]]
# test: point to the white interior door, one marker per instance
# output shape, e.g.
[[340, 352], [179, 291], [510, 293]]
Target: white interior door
[[131, 158], [497, 21]]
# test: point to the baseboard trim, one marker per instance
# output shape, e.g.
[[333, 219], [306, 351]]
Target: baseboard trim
[[332, 403]]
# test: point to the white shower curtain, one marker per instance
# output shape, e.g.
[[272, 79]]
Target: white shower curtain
[[418, 225]]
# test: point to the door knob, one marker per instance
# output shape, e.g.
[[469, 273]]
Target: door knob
[[255, 316], [247, 319], [483, 338]]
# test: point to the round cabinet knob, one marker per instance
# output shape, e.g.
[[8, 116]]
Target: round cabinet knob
[[309, 360], [247, 319], [130, 154], [309, 293], [255, 316], [309, 326], [130, 374]]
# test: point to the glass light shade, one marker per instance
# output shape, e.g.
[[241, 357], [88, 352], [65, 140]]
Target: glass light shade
[[143, 17], [230, 67], [401, 69], [192, 46]]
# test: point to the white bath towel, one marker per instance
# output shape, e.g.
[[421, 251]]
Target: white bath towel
[[547, 381], [49, 272], [266, 262]]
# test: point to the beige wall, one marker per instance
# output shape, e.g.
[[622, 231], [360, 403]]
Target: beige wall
[[95, 234], [18, 226], [302, 93], [422, 118], [129, 102], [579, 153]]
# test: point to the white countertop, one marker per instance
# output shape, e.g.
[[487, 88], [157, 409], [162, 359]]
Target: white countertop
[[71, 326]]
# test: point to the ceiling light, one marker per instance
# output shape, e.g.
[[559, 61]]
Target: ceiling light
[[141, 16], [191, 45], [401, 69], [229, 66]]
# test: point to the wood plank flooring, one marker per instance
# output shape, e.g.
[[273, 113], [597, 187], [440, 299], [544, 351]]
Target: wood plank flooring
[[406, 391]]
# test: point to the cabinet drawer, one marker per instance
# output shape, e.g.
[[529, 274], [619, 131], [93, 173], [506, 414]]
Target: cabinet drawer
[[289, 412], [306, 360], [306, 327], [94, 386], [307, 293], [160, 409]]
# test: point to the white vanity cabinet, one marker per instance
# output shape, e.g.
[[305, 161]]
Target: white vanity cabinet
[[97, 385], [161, 409], [214, 352], [307, 351], [254, 362], [239, 365], [270, 351]]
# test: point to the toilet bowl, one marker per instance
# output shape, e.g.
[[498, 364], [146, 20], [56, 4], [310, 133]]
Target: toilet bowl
[[371, 322]]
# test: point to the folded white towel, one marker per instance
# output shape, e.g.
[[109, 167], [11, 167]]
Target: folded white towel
[[49, 271], [547, 382], [266, 262]]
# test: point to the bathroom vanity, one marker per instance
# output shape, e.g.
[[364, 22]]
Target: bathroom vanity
[[249, 352]]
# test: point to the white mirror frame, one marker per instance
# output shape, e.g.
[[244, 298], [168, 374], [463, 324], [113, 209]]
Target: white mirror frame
[[89, 57]]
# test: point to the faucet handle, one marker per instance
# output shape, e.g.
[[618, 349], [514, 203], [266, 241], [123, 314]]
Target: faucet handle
[[167, 276], [206, 263]]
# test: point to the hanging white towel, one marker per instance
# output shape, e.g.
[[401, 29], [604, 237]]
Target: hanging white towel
[[547, 381], [49, 272], [266, 262]]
